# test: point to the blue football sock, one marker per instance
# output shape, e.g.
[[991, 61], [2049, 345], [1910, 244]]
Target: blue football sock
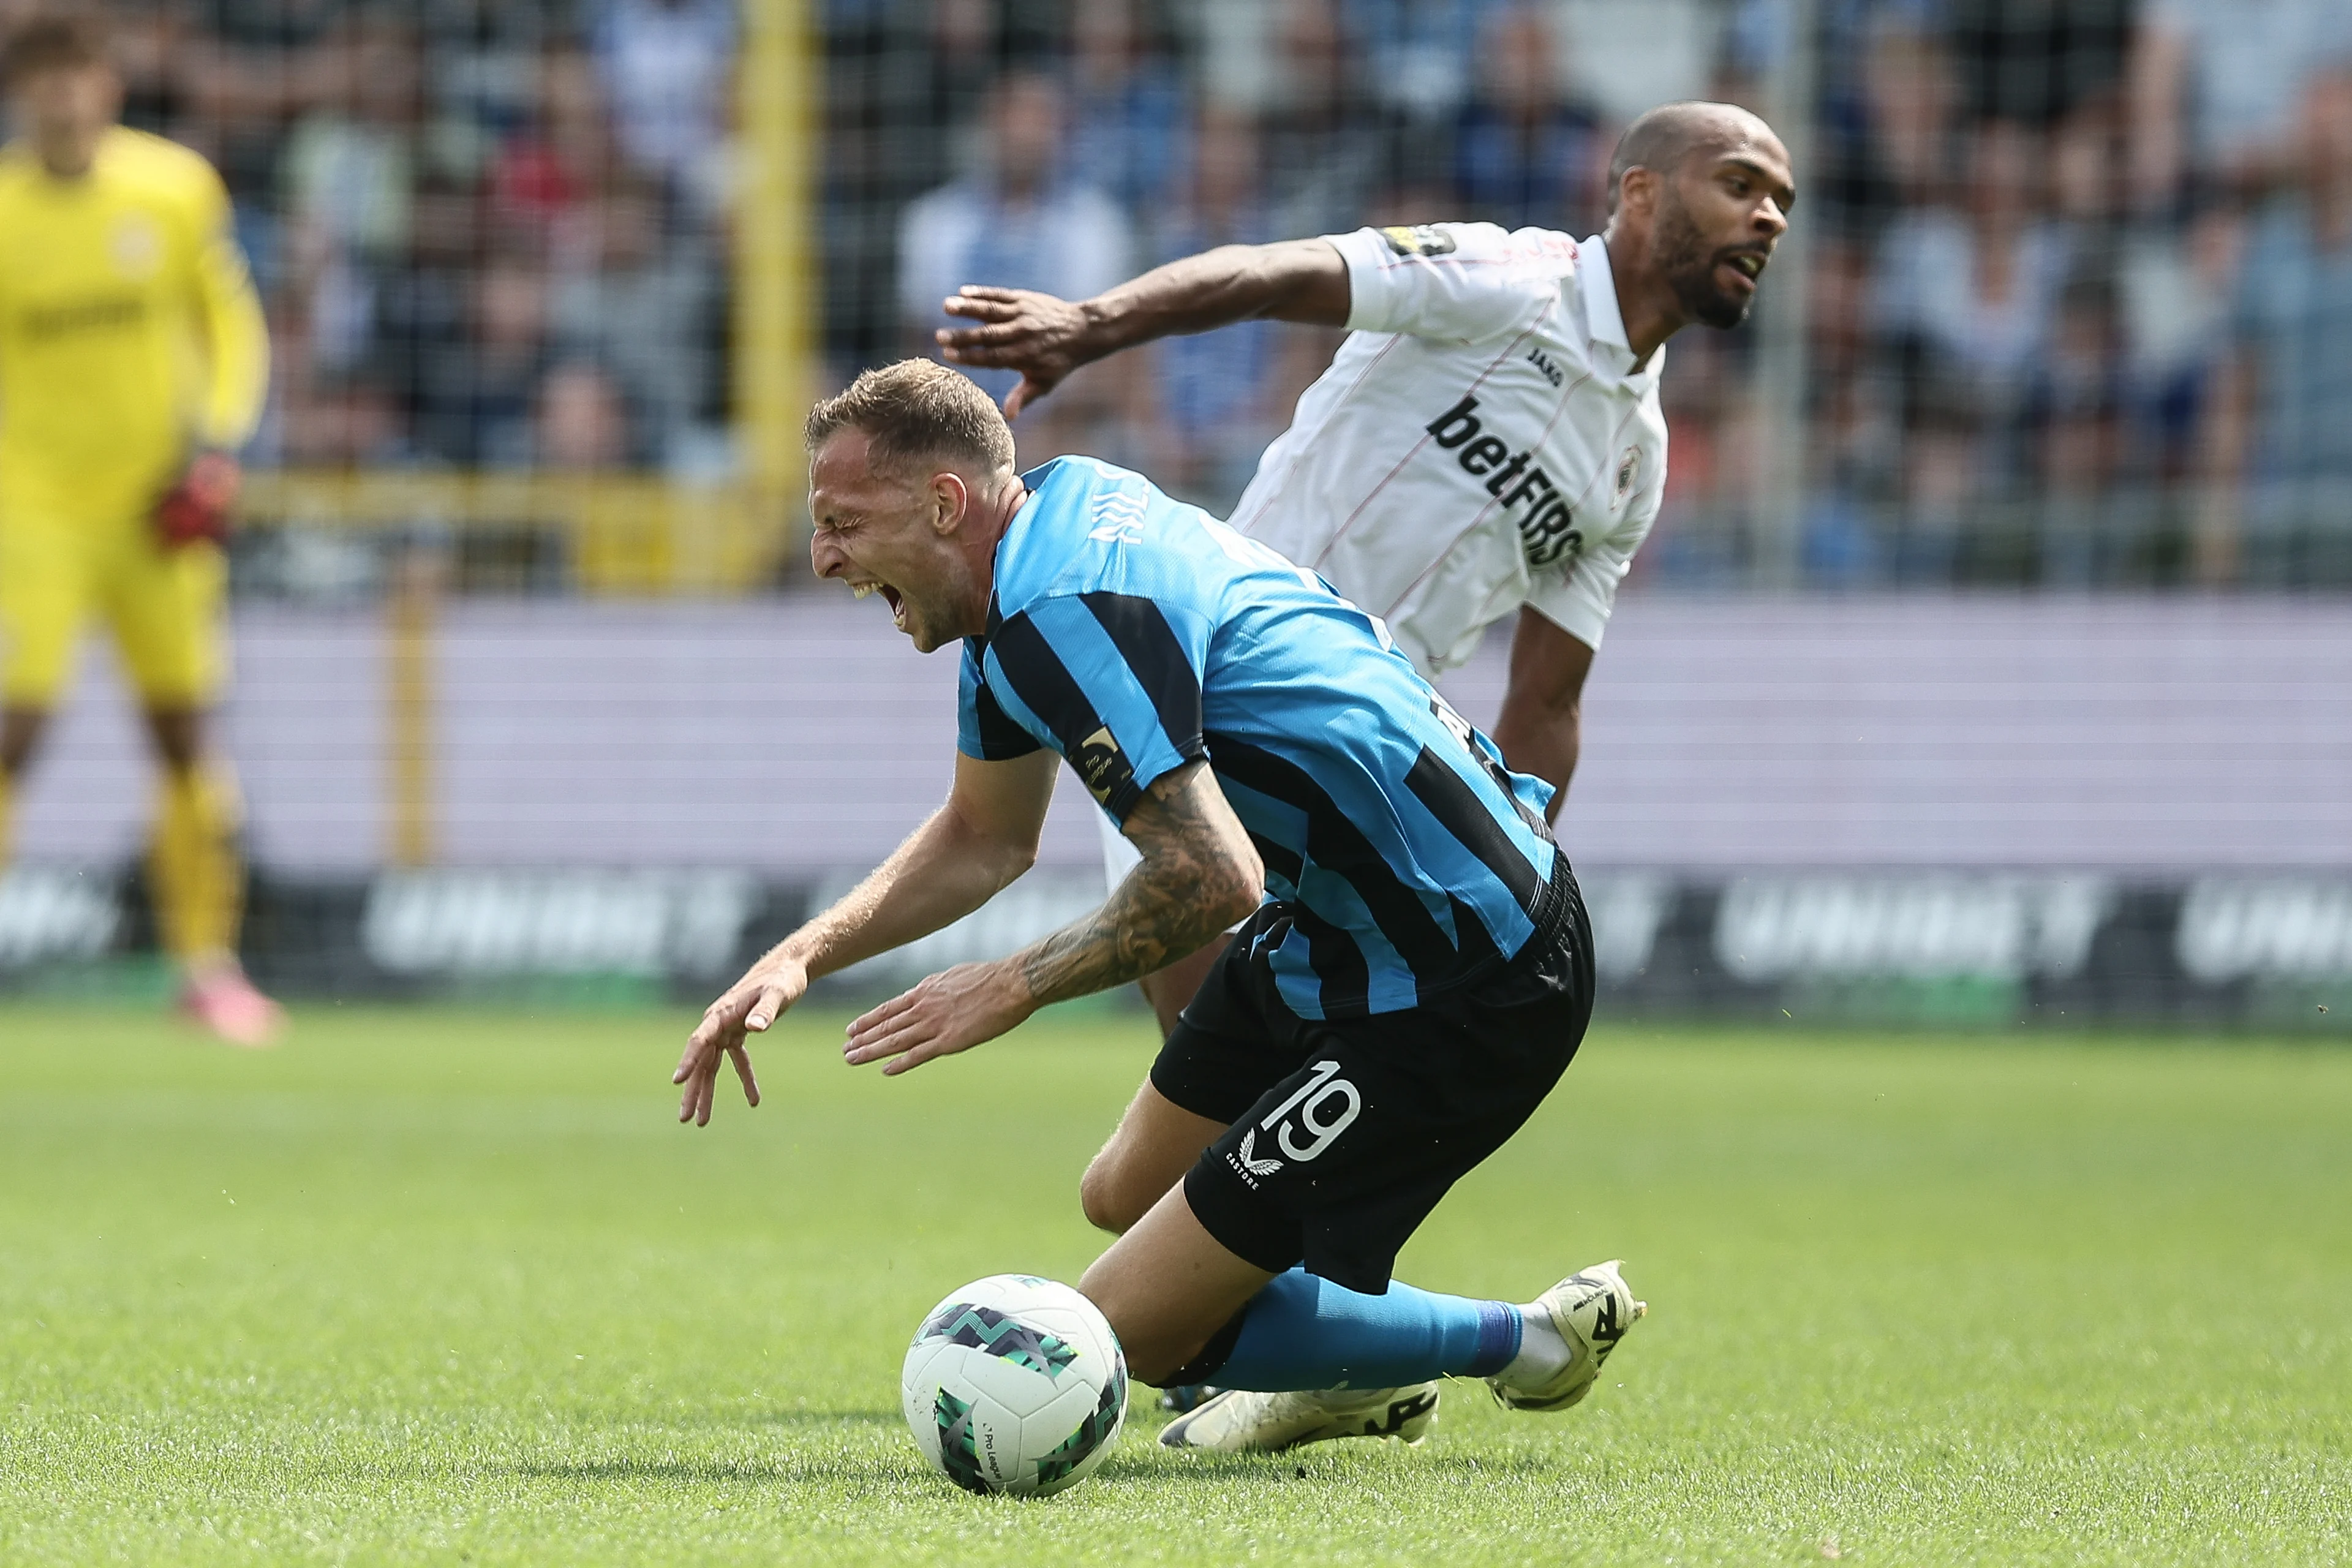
[[1302, 1332]]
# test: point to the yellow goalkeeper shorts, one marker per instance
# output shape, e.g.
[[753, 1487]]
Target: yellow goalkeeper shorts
[[162, 605]]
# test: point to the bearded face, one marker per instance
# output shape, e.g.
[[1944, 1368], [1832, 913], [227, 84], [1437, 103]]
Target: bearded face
[[1714, 281]]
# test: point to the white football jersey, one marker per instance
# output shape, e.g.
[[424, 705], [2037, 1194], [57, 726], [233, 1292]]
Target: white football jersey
[[1481, 439]]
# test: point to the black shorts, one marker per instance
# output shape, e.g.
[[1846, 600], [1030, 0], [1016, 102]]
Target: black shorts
[[1342, 1135]]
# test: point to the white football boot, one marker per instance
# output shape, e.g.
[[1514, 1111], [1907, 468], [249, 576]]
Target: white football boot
[[1592, 1309], [1240, 1422]]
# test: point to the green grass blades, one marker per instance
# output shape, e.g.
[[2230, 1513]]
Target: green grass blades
[[441, 1286]]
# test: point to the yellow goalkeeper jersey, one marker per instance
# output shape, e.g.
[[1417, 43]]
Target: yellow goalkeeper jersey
[[129, 329]]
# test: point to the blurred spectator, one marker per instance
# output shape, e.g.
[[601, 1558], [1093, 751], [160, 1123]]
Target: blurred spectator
[[582, 420], [1975, 285], [1322, 139], [2076, 413], [1212, 406], [424, 315], [2039, 61], [349, 164], [1964, 296], [638, 310], [1911, 91], [1420, 51], [539, 177], [341, 422], [1523, 154], [1127, 136], [669, 67], [2215, 87], [1015, 221], [2287, 412], [478, 403], [148, 36], [249, 66]]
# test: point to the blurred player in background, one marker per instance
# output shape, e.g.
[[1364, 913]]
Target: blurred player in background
[[1488, 437], [134, 359]]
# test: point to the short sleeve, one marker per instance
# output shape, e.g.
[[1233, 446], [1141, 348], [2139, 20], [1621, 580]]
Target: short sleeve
[[1113, 682], [984, 731], [1577, 597], [1458, 282]]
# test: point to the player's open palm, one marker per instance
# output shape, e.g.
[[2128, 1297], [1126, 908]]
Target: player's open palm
[[1042, 337], [749, 1007]]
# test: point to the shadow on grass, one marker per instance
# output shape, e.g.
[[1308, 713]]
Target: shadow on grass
[[702, 1472], [797, 1417], [1153, 1468]]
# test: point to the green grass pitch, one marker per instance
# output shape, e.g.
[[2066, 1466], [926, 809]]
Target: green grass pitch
[[453, 1288]]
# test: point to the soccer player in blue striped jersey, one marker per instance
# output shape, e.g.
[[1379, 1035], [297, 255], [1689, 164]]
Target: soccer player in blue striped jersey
[[1413, 968]]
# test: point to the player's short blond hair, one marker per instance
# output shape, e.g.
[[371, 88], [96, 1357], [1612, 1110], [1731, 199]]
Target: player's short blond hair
[[914, 412]]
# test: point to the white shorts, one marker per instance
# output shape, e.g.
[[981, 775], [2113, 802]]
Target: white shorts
[[1119, 854]]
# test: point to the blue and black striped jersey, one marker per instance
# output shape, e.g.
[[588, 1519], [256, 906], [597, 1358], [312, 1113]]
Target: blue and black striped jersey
[[1134, 634]]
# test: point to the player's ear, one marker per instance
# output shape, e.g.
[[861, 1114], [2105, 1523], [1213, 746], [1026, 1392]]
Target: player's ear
[[951, 499], [1637, 193]]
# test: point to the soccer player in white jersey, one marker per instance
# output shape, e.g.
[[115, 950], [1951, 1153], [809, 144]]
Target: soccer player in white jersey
[[1488, 439]]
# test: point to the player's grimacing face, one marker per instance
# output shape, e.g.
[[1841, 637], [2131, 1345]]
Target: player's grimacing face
[[880, 533], [1719, 218]]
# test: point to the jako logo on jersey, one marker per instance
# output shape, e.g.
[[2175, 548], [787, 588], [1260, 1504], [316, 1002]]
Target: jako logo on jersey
[[1545, 530]]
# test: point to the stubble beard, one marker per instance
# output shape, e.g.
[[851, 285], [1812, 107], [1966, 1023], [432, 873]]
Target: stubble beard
[[1689, 264]]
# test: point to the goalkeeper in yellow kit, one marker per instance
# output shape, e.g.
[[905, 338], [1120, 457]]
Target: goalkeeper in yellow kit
[[134, 359]]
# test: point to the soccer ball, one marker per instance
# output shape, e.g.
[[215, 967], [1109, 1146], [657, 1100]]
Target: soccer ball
[[1016, 1384]]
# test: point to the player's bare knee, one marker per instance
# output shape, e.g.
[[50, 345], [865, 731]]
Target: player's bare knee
[[1106, 1195]]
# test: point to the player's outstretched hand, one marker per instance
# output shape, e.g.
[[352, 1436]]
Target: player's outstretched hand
[[1042, 337], [953, 1011], [750, 1005]]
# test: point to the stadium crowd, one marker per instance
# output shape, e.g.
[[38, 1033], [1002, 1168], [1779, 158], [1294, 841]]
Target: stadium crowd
[[487, 233], [2076, 274]]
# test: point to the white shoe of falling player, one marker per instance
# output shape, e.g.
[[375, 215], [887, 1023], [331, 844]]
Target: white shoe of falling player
[[1591, 1309], [1240, 1422]]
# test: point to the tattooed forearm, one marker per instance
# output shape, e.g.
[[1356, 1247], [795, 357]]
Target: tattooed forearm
[[1199, 874]]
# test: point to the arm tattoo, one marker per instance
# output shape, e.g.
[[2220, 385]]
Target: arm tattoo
[[1173, 904]]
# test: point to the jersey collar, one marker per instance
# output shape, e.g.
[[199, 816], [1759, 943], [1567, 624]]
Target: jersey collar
[[1604, 323]]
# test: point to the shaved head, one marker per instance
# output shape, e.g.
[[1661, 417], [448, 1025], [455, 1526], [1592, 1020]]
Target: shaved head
[[1668, 136], [1698, 196]]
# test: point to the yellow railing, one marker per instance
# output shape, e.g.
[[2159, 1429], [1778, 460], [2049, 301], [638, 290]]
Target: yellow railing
[[626, 533]]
